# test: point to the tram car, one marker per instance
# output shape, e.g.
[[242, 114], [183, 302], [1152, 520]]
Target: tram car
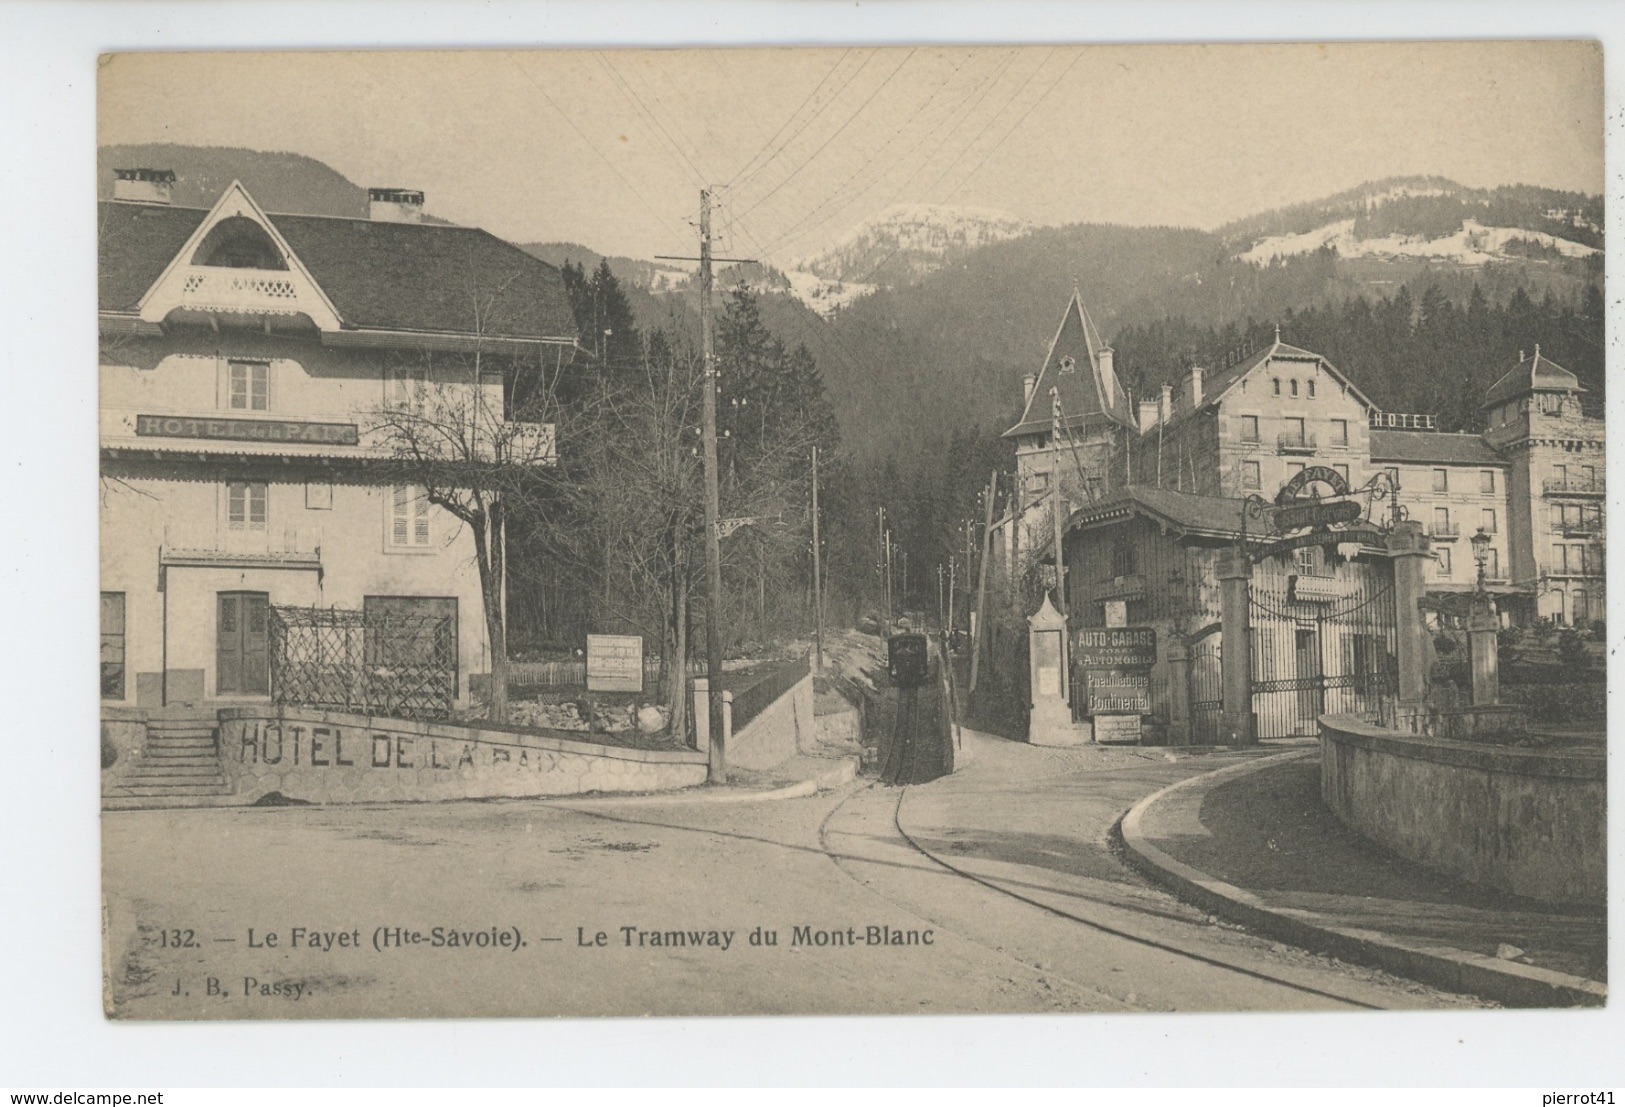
[[908, 658]]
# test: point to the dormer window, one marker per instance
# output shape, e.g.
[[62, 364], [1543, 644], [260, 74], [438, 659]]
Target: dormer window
[[239, 243], [1069, 364]]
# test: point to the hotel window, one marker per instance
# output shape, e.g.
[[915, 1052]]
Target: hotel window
[[1486, 481], [112, 645], [246, 505], [1589, 475], [1442, 555], [1311, 389], [1295, 432], [1492, 564], [1560, 473], [1487, 520], [405, 386], [408, 517], [1251, 477], [248, 386], [1249, 428], [1560, 558], [1277, 382], [1124, 563], [1340, 432], [1580, 603], [1294, 386], [1441, 520], [1441, 480]]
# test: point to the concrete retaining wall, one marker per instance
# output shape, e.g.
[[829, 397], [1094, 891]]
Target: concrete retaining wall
[[1525, 822], [779, 733], [329, 757]]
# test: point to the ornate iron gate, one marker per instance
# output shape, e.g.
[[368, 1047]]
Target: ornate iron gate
[[1319, 645], [1206, 689], [375, 662]]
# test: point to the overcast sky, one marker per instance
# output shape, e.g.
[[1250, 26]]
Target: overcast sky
[[610, 148]]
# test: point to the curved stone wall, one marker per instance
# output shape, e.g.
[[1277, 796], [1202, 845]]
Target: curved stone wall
[[1526, 822], [330, 757]]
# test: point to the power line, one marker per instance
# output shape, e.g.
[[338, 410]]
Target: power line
[[845, 197], [747, 166], [836, 134], [646, 118], [1017, 125], [593, 147]]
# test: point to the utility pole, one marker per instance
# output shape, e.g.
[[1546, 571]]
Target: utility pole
[[981, 581], [818, 590], [717, 768], [880, 566], [888, 583]]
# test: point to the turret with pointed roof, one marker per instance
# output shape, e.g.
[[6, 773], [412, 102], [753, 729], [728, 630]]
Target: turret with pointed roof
[[1535, 373], [1079, 366]]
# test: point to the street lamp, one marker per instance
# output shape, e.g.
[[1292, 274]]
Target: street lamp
[[1481, 555]]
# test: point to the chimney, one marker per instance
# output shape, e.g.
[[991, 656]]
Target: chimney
[[143, 186], [1149, 414], [1108, 378], [1196, 386], [394, 205], [1028, 383], [1167, 403]]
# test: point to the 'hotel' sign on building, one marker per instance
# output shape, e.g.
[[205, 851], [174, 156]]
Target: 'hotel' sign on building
[[248, 430]]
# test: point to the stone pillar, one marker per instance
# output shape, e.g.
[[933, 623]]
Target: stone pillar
[[727, 719], [702, 715], [1412, 554], [1179, 694], [1235, 572], [1484, 649], [1049, 723]]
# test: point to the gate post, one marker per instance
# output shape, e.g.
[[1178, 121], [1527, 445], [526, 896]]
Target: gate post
[[1411, 553], [1235, 660], [702, 714], [1179, 693], [1484, 649]]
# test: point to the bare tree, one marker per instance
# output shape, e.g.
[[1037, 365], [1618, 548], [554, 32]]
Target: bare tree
[[477, 431]]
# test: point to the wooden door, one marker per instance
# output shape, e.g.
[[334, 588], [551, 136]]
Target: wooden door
[[241, 656]]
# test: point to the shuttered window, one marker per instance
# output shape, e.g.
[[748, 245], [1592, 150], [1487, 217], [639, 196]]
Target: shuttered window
[[246, 505], [249, 386], [408, 517]]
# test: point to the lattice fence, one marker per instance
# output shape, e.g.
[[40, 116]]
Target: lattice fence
[[371, 662]]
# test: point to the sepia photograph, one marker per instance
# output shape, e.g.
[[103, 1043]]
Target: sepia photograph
[[852, 530]]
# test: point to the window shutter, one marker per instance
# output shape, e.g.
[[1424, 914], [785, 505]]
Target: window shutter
[[420, 520], [398, 524]]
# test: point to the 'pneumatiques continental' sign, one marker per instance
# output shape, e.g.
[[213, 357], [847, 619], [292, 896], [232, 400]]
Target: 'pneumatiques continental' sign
[[247, 430]]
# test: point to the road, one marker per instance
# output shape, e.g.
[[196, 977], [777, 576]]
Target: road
[[1003, 895]]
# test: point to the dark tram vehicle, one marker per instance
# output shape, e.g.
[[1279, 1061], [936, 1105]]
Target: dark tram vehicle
[[908, 659]]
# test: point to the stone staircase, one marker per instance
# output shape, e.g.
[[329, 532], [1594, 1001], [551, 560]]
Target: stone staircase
[[179, 766]]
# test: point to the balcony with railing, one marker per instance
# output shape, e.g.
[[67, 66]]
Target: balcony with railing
[[1582, 528], [210, 288], [241, 546], [1292, 442], [1437, 529], [1574, 486]]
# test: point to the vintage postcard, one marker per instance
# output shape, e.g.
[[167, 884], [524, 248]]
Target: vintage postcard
[[857, 530]]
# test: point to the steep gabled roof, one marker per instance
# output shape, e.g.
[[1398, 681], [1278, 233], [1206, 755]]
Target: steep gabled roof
[[417, 277], [1431, 447], [1089, 390], [1532, 374], [1217, 385]]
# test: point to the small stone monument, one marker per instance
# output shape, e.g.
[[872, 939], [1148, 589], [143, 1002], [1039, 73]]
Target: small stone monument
[[1050, 723]]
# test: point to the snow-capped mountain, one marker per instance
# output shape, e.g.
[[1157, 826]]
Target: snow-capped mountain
[[1472, 244], [910, 240]]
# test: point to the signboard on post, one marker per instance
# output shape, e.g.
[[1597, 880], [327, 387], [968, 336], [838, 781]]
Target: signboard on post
[[614, 663], [1117, 663], [1117, 647]]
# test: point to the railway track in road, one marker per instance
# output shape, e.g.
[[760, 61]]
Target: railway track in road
[[845, 864]]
